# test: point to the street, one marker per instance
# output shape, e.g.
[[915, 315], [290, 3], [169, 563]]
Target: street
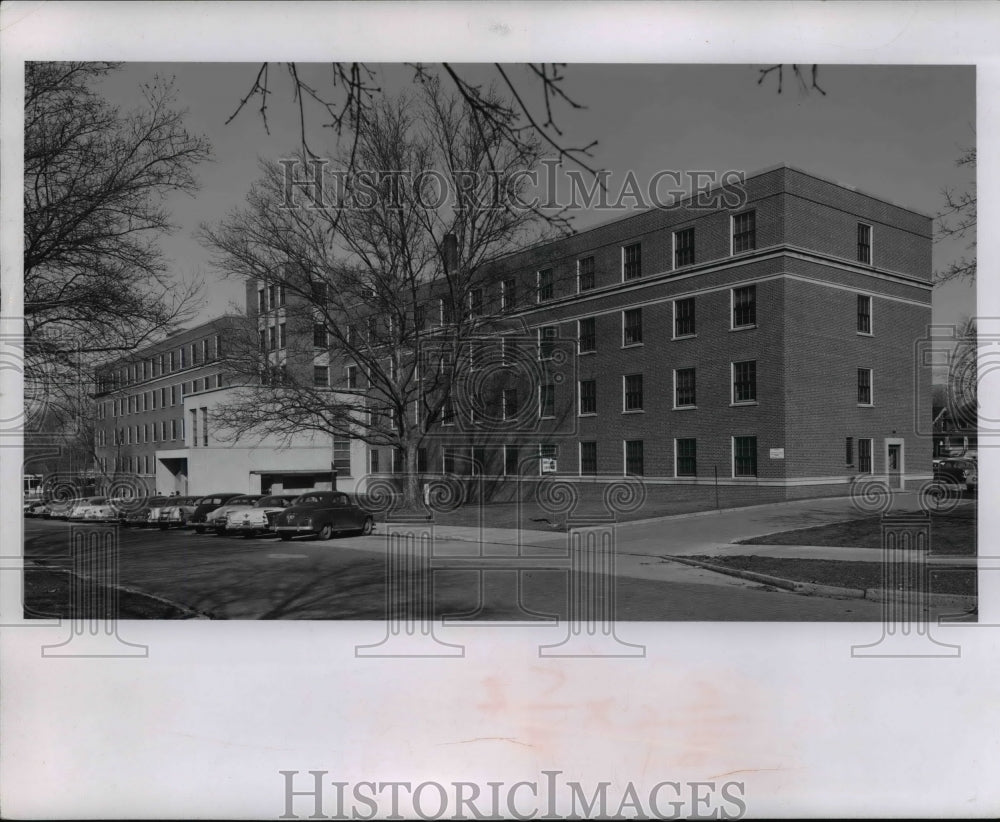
[[345, 578]]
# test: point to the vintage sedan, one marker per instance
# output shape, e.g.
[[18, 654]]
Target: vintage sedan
[[175, 512], [323, 513], [217, 518], [199, 520], [105, 512], [139, 516], [261, 517], [955, 470], [78, 513]]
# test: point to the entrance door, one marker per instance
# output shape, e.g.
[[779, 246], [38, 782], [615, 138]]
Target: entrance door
[[894, 464]]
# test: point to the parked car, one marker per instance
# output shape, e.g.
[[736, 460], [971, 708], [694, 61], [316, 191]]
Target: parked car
[[261, 517], [323, 513], [60, 508], [139, 517], [175, 512], [199, 519], [35, 508], [79, 511], [972, 479], [217, 518], [955, 470], [105, 512]]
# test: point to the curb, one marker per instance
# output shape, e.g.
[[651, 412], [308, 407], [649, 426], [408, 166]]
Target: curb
[[817, 589]]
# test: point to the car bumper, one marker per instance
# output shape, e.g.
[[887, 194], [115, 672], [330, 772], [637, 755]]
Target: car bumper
[[295, 529]]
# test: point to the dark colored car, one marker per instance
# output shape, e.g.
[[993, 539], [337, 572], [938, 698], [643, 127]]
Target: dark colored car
[[955, 470], [199, 518], [175, 512], [323, 513], [137, 515]]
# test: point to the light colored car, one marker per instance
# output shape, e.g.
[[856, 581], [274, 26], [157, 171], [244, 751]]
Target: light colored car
[[175, 513], [61, 508], [217, 519], [105, 512], [261, 517], [79, 512]]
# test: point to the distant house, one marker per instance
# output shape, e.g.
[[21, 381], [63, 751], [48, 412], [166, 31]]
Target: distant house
[[955, 424]]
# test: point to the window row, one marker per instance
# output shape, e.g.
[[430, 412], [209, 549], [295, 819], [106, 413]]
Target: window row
[[161, 431], [167, 395], [138, 465], [270, 297], [151, 368]]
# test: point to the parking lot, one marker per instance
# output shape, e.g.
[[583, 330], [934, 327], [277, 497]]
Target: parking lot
[[345, 578]]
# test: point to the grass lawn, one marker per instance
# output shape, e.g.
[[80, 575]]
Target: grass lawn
[[47, 595], [843, 574], [952, 533]]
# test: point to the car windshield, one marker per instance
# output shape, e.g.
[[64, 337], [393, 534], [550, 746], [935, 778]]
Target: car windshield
[[184, 501], [211, 501], [310, 499], [242, 501]]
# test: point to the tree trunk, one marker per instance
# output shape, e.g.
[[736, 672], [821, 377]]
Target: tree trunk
[[413, 495]]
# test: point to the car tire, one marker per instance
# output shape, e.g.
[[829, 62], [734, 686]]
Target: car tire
[[326, 532], [368, 527], [284, 537]]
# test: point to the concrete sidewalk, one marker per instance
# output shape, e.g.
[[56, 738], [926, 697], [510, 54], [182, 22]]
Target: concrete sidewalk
[[714, 533]]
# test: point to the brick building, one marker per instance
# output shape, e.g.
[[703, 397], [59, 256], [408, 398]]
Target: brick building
[[762, 345]]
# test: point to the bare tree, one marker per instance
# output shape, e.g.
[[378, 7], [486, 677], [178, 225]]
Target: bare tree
[[96, 181], [380, 274], [958, 221]]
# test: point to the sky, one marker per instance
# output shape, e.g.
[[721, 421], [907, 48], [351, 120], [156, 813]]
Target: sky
[[891, 131]]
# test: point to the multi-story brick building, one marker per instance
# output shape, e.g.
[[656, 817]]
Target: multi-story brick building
[[761, 343], [764, 345]]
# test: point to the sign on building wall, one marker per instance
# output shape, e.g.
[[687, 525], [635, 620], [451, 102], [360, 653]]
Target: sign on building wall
[[777, 453]]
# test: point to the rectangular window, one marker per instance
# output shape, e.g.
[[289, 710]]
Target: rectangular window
[[864, 243], [849, 456], [864, 456], [372, 328], [588, 396], [204, 350], [587, 334], [218, 380], [588, 458], [261, 301], [352, 376], [546, 401], [281, 294], [684, 388], [373, 460], [173, 429], [864, 386], [744, 306], [509, 407], [180, 351], [204, 426], [631, 261], [745, 381], [218, 346], [686, 457], [585, 274], [321, 375], [744, 456], [155, 397], [319, 335], [272, 337], [632, 326], [546, 341], [683, 247], [632, 392], [545, 287], [173, 395], [421, 460], [476, 302], [144, 432], [633, 458], [864, 314], [194, 353], [271, 301], [173, 361], [684, 317], [744, 232], [508, 295], [281, 335], [194, 426], [511, 459], [342, 455]]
